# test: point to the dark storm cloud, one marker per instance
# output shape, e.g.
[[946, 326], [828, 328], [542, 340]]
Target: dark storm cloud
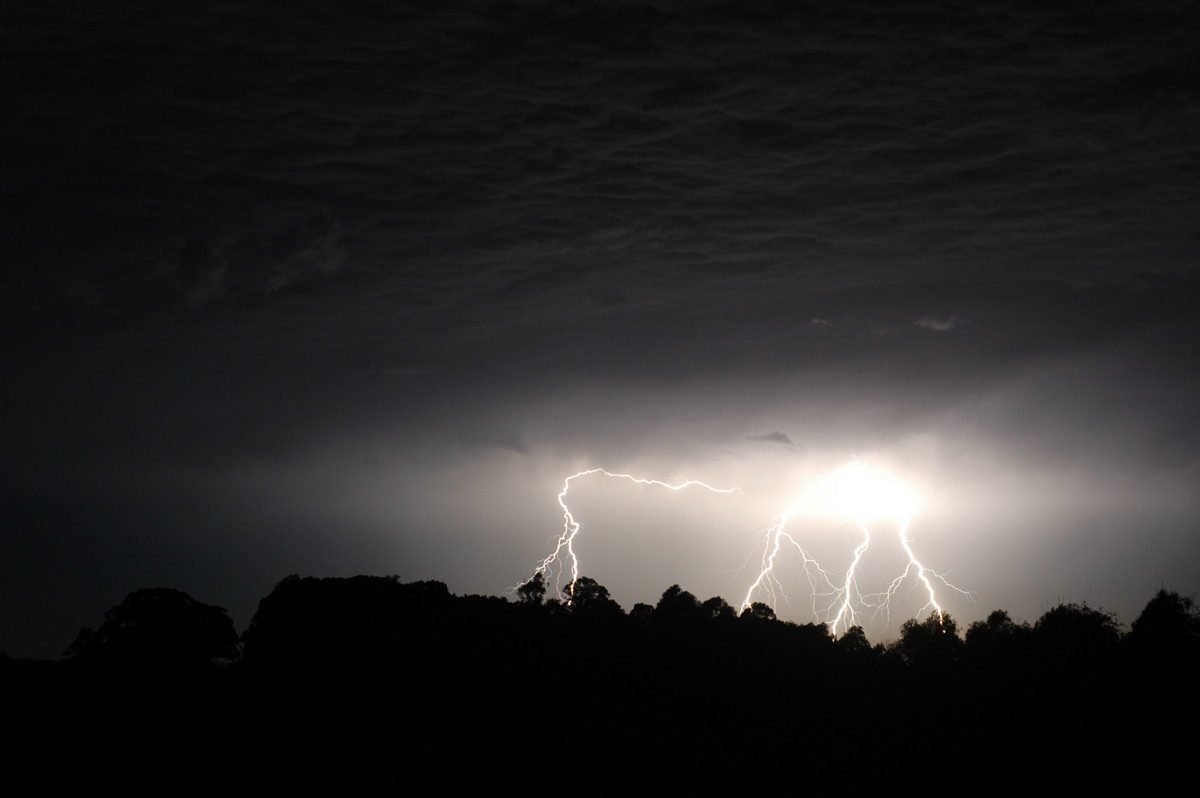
[[772, 437], [238, 240], [557, 179], [553, 148], [938, 325]]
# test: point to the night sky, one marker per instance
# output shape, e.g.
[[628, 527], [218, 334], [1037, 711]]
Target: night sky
[[351, 289]]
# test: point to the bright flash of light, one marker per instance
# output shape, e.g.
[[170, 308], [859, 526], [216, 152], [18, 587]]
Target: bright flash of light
[[854, 495], [863, 498], [564, 557]]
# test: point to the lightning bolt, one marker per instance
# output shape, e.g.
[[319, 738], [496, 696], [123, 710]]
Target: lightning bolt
[[564, 556], [855, 495], [859, 496]]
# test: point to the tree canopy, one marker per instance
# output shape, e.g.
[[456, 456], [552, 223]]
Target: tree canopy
[[162, 626]]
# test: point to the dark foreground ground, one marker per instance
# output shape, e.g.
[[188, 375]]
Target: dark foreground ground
[[370, 686]]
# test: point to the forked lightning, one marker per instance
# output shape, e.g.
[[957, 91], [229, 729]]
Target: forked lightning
[[854, 494]]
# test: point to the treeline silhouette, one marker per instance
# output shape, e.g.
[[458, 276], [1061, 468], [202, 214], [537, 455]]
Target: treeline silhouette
[[371, 683]]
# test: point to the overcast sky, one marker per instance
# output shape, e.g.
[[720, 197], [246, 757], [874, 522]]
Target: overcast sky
[[351, 290]]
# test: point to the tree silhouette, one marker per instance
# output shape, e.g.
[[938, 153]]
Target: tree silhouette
[[341, 673], [929, 644], [677, 609], [1077, 632], [339, 628], [758, 611], [533, 591], [718, 609], [998, 641], [588, 597], [854, 643], [641, 614], [159, 626], [1166, 635]]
